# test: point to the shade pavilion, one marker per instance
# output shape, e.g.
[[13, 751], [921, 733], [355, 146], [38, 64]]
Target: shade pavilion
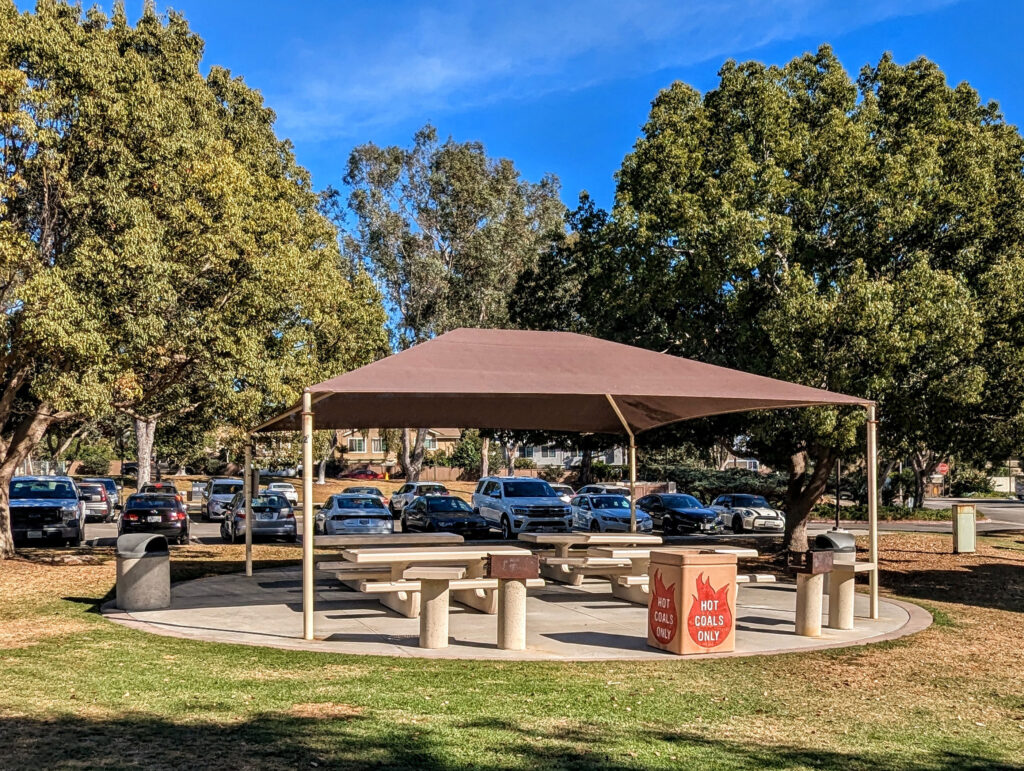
[[554, 381]]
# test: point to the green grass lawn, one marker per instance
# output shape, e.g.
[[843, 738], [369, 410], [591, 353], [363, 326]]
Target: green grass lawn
[[77, 691]]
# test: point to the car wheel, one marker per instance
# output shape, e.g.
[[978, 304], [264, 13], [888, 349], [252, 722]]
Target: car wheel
[[595, 527], [293, 538], [225, 535], [506, 529], [405, 525], [668, 526], [76, 541], [183, 539], [737, 524]]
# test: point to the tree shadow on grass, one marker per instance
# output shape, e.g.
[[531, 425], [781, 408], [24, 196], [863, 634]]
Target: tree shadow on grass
[[998, 585], [339, 737]]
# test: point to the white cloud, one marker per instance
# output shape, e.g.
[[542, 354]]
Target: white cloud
[[381, 68]]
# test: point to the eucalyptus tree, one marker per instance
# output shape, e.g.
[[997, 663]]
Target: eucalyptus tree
[[446, 231], [160, 249]]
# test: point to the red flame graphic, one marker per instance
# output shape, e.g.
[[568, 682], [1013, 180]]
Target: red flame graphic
[[710, 618], [662, 614]]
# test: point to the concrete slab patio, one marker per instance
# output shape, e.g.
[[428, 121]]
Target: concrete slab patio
[[563, 623]]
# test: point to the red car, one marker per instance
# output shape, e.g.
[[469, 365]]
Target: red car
[[364, 473]]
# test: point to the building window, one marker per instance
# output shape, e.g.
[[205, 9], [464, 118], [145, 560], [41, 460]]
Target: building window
[[376, 445], [548, 452], [527, 452], [430, 443], [356, 444]]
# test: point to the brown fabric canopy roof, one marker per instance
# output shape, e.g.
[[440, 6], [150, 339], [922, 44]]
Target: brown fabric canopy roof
[[556, 381]]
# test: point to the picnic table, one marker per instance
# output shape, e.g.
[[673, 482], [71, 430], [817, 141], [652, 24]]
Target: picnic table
[[390, 539], [631, 583], [558, 564], [383, 572]]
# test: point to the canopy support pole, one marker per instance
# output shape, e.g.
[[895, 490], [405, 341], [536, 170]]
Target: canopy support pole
[[307, 515], [247, 493], [872, 459], [632, 462]]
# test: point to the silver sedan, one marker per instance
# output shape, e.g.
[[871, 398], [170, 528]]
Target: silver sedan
[[361, 514]]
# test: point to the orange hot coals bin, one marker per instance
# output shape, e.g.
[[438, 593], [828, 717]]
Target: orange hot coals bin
[[692, 606]]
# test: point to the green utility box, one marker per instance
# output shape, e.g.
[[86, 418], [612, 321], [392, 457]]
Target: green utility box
[[965, 526]]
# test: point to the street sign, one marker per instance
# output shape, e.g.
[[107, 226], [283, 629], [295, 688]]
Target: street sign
[[942, 468]]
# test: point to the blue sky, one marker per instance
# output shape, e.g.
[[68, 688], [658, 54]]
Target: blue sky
[[559, 86]]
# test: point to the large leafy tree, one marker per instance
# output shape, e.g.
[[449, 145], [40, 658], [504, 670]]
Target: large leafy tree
[[796, 223], [161, 253], [446, 230]]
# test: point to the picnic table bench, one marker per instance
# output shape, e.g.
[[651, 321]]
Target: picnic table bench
[[559, 564], [385, 570], [390, 539]]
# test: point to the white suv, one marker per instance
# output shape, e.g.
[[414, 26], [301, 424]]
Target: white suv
[[408, 492], [521, 504]]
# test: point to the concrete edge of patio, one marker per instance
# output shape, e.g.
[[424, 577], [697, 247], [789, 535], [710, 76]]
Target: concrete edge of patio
[[403, 645]]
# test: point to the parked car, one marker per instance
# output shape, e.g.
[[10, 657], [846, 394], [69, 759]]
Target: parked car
[[217, 497], [607, 514], [287, 489], [565, 492], [521, 504], [95, 503], [46, 509], [160, 487], [113, 491], [444, 513], [364, 473], [603, 489], [362, 490], [272, 516], [411, 490], [161, 513], [677, 513], [343, 514], [748, 512]]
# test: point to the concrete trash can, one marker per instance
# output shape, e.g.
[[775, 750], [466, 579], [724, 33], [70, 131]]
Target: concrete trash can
[[143, 572], [965, 528], [692, 604]]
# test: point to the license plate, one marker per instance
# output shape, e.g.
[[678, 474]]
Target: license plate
[[35, 533], [264, 517], [364, 522], [152, 519]]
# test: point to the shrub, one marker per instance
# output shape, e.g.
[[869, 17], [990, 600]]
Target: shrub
[[551, 473], [525, 463], [859, 513], [968, 481]]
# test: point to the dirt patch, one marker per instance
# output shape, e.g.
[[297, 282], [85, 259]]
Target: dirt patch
[[327, 709]]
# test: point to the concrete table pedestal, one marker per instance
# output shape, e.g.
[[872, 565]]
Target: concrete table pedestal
[[841, 593], [434, 596], [808, 604], [512, 614]]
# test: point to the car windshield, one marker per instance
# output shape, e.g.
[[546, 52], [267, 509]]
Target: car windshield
[[161, 502], [91, 489], [365, 491], [269, 502], [753, 501], [226, 488], [447, 504], [534, 488], [683, 501], [430, 490], [609, 502], [280, 486], [42, 488], [351, 502], [110, 484]]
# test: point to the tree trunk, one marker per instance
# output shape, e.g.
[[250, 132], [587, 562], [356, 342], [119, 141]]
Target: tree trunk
[[412, 456], [485, 456], [585, 467], [145, 428], [803, 491], [924, 464], [511, 450]]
